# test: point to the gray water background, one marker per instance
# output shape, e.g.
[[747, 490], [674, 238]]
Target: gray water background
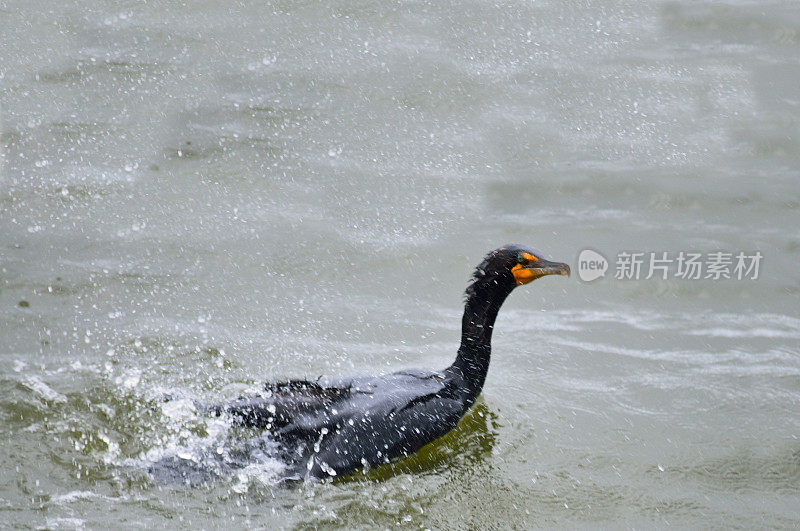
[[197, 197]]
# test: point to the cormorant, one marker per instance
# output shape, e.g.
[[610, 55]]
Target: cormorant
[[330, 427]]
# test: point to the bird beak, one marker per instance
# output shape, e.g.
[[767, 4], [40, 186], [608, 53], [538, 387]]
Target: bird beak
[[545, 267], [533, 270]]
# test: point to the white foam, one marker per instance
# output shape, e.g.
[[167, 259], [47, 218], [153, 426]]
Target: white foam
[[77, 495], [762, 332], [40, 388], [69, 523], [205, 444]]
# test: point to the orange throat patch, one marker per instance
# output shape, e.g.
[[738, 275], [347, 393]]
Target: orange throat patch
[[522, 275]]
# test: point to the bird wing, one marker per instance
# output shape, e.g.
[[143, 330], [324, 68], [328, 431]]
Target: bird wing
[[378, 435], [282, 402], [312, 405]]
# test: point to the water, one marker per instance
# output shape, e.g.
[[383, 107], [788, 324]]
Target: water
[[197, 198]]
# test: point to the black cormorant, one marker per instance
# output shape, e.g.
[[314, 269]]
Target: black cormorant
[[330, 427]]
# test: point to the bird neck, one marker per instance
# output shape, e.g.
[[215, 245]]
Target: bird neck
[[480, 312]]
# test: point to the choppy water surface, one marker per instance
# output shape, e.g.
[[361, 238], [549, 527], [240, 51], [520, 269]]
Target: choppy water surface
[[198, 197]]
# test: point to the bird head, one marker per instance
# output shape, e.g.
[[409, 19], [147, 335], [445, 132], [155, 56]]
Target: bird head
[[513, 265]]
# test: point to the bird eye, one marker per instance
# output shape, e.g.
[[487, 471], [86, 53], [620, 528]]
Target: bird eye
[[526, 258]]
